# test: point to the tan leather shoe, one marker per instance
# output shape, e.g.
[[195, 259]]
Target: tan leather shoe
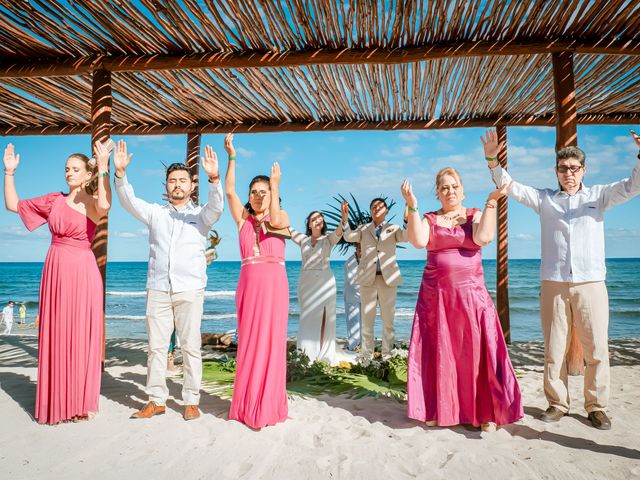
[[600, 420], [191, 412], [149, 410], [552, 414]]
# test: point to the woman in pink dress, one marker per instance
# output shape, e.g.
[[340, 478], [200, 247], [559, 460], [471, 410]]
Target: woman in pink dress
[[459, 370], [71, 293], [262, 301]]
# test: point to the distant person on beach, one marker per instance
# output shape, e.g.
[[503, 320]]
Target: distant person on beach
[[459, 371], [262, 299], [71, 289], [572, 271], [7, 318], [22, 313], [317, 289], [378, 274], [176, 276], [351, 292]]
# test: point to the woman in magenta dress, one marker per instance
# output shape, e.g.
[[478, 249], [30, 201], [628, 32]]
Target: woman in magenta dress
[[71, 294], [262, 302], [459, 370]]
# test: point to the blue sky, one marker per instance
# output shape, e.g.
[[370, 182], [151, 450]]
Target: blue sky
[[319, 165]]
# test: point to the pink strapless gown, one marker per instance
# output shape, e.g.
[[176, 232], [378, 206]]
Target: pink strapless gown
[[71, 314], [262, 302], [459, 370]]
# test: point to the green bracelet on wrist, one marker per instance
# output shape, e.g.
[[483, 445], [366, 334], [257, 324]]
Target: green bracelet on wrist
[[412, 209], [490, 159], [103, 174], [232, 157]]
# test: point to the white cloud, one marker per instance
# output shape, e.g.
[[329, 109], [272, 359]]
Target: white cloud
[[282, 155], [525, 237], [409, 136], [244, 152]]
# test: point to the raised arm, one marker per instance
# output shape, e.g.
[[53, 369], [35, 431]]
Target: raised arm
[[277, 217], [524, 194], [212, 210], [11, 161], [417, 228], [619, 192], [135, 206], [334, 237], [236, 206], [103, 197], [297, 237], [484, 223]]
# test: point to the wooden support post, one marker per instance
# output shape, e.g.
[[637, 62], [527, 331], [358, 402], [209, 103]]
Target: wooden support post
[[502, 255], [567, 135], [101, 102], [193, 161]]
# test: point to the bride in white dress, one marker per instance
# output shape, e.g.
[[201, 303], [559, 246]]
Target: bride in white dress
[[317, 290]]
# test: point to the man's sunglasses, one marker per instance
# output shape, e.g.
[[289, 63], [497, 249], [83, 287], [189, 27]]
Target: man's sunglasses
[[565, 169]]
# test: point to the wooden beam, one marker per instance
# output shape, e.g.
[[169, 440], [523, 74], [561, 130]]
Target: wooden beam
[[502, 254], [193, 161], [630, 118], [68, 66], [567, 135], [101, 105]]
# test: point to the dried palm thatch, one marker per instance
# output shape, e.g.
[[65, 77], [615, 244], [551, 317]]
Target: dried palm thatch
[[250, 66]]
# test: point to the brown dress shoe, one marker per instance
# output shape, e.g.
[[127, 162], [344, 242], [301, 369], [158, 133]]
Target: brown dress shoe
[[149, 410], [552, 414], [191, 412], [600, 420]]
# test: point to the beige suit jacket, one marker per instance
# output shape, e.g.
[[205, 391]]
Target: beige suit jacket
[[374, 249]]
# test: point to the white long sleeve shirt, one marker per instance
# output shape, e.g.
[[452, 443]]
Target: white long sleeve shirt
[[177, 238], [572, 226]]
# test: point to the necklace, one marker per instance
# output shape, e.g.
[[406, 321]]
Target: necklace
[[451, 216]]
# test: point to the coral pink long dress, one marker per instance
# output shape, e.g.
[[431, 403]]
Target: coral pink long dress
[[459, 371], [70, 309], [262, 302]]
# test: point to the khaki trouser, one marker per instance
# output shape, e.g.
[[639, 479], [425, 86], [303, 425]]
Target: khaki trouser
[[370, 296], [184, 311], [586, 305]]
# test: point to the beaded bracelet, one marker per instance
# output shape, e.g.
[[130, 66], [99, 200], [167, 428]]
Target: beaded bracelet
[[11, 174], [490, 205]]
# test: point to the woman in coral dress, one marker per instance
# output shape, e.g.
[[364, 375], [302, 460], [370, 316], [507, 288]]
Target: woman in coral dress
[[262, 301], [71, 293], [459, 371], [317, 289]]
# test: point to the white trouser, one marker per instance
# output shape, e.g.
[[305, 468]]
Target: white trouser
[[166, 310], [352, 315], [7, 328]]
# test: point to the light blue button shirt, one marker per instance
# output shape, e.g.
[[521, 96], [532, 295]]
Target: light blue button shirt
[[177, 238], [572, 226]]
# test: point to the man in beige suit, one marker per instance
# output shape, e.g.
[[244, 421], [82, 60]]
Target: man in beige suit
[[378, 273]]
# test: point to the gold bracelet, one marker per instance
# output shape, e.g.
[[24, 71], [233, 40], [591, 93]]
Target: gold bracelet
[[490, 205], [11, 174]]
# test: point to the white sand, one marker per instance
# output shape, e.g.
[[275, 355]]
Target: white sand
[[327, 438]]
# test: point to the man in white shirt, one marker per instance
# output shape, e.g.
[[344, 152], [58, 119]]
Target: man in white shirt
[[7, 318], [176, 276], [378, 274], [351, 293], [572, 271]]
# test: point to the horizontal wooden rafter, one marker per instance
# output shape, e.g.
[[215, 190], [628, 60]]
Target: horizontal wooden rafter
[[69, 66], [269, 127]]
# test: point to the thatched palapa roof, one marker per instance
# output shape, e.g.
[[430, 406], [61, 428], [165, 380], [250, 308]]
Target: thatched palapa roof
[[216, 65]]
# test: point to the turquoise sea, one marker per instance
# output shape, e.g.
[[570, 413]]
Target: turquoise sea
[[126, 296]]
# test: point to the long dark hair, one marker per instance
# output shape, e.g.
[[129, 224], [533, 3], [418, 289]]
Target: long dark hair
[[254, 180], [308, 219]]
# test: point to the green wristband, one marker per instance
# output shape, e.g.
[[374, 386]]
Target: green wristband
[[103, 174], [232, 157], [490, 159], [412, 209]]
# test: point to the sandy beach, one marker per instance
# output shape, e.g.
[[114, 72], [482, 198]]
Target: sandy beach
[[326, 437]]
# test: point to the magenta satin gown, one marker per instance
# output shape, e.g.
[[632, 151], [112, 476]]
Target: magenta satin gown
[[262, 301], [459, 370], [70, 308]]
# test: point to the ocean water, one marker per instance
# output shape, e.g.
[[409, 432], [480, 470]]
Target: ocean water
[[126, 296]]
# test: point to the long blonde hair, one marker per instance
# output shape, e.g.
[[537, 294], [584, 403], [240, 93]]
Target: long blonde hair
[[90, 164]]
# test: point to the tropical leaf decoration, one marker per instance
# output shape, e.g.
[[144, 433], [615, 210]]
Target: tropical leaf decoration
[[357, 216]]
